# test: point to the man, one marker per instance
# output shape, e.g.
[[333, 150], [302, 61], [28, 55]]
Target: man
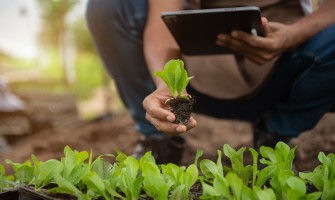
[[291, 97]]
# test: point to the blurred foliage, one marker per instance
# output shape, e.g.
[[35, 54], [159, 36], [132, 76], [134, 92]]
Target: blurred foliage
[[15, 62], [88, 68], [82, 37], [90, 75], [53, 13]]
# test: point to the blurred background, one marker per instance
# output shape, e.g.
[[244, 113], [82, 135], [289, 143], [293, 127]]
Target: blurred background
[[50, 74]]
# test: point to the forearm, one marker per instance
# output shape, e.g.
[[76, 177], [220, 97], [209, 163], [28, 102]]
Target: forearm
[[310, 25], [159, 45], [158, 50]]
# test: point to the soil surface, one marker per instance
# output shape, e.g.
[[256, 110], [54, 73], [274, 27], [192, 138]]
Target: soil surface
[[49, 134]]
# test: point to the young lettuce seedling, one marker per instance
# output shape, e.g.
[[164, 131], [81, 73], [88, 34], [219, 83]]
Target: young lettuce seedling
[[176, 78]]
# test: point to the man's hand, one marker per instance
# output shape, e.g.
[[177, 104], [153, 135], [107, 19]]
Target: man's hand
[[278, 38], [158, 113]]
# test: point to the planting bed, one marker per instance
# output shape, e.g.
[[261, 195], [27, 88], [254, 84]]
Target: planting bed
[[271, 176]]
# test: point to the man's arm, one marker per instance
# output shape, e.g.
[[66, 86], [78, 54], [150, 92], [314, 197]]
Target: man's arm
[[159, 47], [314, 23]]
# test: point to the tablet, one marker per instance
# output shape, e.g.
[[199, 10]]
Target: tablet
[[196, 31]]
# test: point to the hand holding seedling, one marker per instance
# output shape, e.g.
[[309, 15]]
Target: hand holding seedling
[[158, 105]]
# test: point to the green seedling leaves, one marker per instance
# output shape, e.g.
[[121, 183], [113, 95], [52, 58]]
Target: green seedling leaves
[[153, 182], [219, 190], [71, 159], [131, 183], [254, 154], [180, 179], [235, 184], [101, 167], [95, 185], [208, 168], [266, 194], [46, 172], [175, 77], [65, 186], [236, 159], [128, 177], [264, 175], [282, 155], [24, 172], [315, 178], [4, 179]]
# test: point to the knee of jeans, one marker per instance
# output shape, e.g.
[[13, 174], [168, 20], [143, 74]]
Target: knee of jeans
[[321, 45]]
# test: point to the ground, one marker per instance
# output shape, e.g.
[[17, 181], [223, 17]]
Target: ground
[[112, 132]]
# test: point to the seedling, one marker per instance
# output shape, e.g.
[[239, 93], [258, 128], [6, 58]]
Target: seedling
[[132, 179], [176, 78]]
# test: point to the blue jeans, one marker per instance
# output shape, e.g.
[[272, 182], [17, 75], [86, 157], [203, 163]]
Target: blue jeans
[[300, 89]]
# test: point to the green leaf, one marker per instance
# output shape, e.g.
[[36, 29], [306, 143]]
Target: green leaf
[[236, 157], [72, 158], [282, 151], [153, 183], [254, 154], [219, 190], [221, 185], [219, 163], [313, 178], [208, 168], [268, 153], [67, 187], [112, 191], [175, 77], [266, 194], [328, 190], [4, 185], [101, 167], [95, 183], [191, 176], [197, 156], [24, 172], [313, 196], [172, 172], [265, 174], [178, 193], [132, 166], [147, 157], [120, 157], [78, 173], [297, 184], [47, 171], [236, 184]]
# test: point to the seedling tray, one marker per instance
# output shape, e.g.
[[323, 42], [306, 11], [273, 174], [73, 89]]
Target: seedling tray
[[10, 195], [27, 193]]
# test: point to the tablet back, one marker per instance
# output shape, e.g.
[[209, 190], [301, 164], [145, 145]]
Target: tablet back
[[196, 31]]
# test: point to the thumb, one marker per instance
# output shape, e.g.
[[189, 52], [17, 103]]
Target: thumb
[[265, 24]]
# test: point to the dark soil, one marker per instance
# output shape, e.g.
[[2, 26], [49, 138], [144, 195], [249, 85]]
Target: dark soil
[[196, 191], [182, 108]]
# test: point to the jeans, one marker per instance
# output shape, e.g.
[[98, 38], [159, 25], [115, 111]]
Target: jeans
[[300, 89]]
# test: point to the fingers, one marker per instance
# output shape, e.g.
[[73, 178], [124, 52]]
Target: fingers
[[265, 24], [252, 53], [252, 47], [169, 127], [158, 114]]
